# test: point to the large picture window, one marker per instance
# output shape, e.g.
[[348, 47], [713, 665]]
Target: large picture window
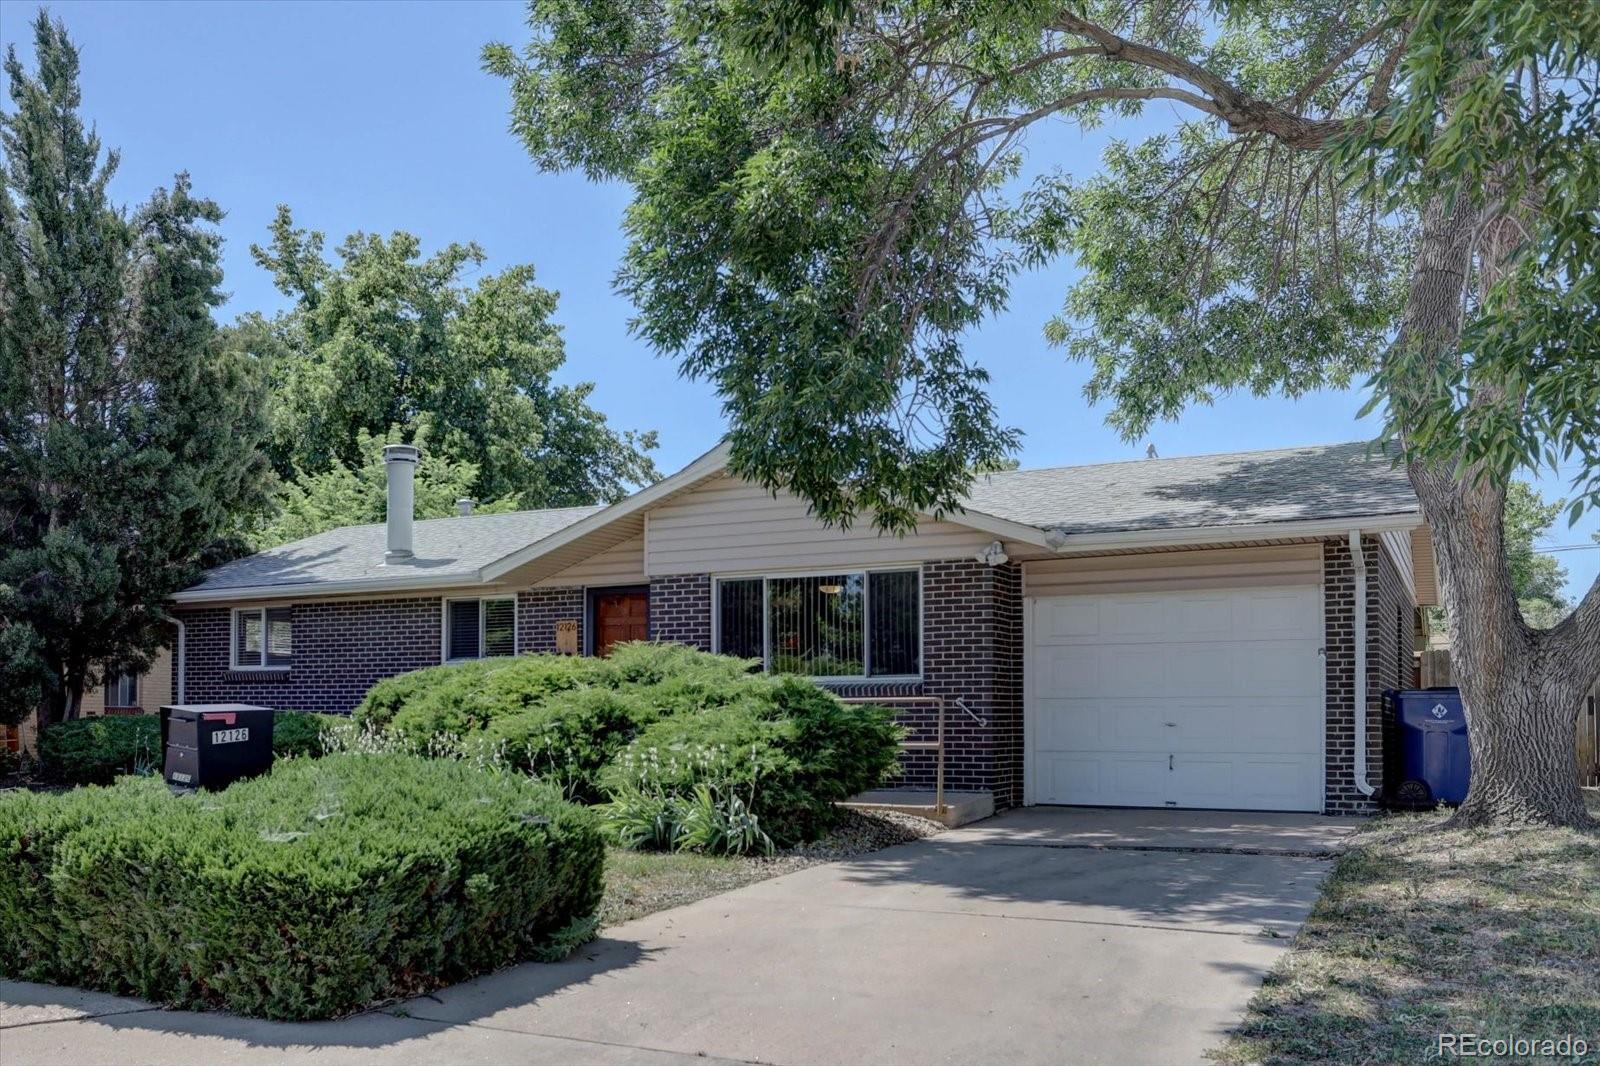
[[263, 638], [860, 624], [480, 629]]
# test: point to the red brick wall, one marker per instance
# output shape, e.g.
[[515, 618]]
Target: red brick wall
[[341, 649], [1389, 610]]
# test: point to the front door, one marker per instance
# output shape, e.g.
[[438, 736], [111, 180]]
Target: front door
[[620, 616]]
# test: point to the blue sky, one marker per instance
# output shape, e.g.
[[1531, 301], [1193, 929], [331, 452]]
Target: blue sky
[[375, 116]]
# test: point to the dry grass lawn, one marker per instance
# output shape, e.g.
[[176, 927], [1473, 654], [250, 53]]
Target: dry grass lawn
[[1420, 931]]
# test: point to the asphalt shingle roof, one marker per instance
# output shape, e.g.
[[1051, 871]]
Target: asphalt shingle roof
[[1239, 488], [444, 547]]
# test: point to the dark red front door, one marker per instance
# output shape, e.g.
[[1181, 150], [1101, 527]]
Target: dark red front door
[[620, 616]]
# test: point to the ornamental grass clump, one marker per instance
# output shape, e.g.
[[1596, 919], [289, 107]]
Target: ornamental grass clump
[[309, 892]]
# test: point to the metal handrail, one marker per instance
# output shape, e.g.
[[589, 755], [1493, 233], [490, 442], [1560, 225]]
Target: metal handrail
[[936, 745]]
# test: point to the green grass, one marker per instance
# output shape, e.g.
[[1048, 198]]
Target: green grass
[[643, 882], [1422, 931]]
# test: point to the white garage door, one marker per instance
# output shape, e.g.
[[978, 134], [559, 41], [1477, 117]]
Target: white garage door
[[1177, 699]]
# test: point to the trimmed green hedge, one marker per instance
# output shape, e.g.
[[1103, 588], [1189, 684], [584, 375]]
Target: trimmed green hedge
[[789, 750], [305, 893], [782, 746], [96, 751]]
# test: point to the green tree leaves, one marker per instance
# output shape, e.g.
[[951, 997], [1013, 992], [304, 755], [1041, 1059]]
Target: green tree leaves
[[351, 496], [389, 338], [128, 434]]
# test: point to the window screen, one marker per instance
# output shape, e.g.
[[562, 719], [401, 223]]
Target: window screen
[[280, 637], [499, 627], [263, 637], [895, 624], [741, 626], [248, 640], [122, 690], [463, 630]]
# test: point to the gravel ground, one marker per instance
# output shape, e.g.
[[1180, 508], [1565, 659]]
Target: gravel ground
[[642, 882]]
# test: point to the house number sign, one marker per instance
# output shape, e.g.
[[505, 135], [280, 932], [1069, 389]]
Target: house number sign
[[567, 636]]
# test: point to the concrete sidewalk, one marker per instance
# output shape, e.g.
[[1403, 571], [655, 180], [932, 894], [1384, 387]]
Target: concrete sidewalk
[[962, 948]]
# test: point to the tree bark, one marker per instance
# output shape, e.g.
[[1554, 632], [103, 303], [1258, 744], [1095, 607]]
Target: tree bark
[[1521, 687]]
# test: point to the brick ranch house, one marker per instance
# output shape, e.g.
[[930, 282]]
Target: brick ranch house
[[1159, 633]]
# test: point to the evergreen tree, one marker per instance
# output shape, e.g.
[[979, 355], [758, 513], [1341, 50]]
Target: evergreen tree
[[128, 438]]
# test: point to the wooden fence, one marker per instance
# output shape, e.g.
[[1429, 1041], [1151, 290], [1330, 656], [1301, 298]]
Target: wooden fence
[[1435, 671]]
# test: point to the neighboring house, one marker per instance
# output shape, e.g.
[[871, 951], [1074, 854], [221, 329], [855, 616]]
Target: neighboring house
[[122, 694], [1165, 632]]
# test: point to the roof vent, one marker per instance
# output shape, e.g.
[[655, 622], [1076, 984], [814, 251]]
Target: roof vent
[[400, 463], [464, 505]]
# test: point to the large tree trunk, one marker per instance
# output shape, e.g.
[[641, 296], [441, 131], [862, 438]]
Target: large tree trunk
[[1521, 687]]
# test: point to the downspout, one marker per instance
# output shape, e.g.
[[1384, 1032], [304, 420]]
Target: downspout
[[182, 634], [1358, 559]]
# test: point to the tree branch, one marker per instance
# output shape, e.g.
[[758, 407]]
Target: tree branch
[[1243, 113]]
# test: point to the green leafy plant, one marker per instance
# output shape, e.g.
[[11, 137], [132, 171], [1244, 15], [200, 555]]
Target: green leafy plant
[[96, 751], [647, 725], [305, 893], [641, 820], [719, 822], [793, 747]]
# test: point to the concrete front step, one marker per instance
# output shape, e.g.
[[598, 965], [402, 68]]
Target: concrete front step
[[959, 807]]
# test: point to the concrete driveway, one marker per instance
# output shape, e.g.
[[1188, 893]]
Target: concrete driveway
[[1041, 936]]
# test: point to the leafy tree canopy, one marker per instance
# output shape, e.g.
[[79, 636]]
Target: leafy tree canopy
[[350, 496], [387, 337], [828, 194], [128, 435]]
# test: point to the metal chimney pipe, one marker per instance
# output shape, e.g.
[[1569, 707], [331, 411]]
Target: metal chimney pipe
[[465, 505], [400, 463]]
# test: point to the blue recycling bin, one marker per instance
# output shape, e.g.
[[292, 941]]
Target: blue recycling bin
[[1426, 757]]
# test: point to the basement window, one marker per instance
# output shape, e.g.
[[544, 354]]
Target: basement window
[[263, 638], [841, 626], [480, 629]]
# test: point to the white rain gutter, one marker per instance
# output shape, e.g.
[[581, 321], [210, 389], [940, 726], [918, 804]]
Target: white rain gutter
[[1358, 559]]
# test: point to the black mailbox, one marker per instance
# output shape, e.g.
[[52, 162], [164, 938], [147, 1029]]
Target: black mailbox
[[212, 745]]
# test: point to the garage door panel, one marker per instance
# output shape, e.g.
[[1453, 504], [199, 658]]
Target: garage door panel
[[1247, 781], [1065, 619], [1205, 699], [1276, 614], [1081, 726], [1124, 780]]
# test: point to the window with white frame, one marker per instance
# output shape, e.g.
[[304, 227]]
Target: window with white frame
[[480, 629], [122, 690], [263, 638], [854, 624]]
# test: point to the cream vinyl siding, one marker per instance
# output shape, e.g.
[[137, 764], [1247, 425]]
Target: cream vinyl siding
[[1294, 564], [1424, 568], [732, 526], [621, 565], [1397, 542]]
